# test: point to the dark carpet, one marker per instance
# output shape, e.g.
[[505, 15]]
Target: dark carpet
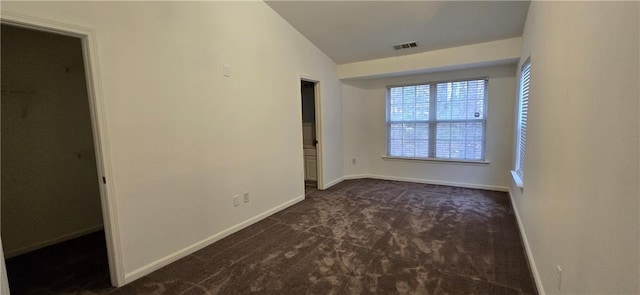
[[78, 266], [362, 237]]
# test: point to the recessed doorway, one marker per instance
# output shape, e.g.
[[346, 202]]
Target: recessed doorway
[[54, 235], [310, 134]]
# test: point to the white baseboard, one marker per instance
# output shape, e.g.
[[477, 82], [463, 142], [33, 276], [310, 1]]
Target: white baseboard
[[525, 241], [356, 176], [164, 261], [334, 182], [430, 181], [53, 241]]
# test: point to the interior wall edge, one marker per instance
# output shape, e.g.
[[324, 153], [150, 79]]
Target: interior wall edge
[[332, 183], [527, 248]]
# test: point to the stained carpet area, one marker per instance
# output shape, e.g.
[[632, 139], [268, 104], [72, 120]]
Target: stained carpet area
[[362, 237]]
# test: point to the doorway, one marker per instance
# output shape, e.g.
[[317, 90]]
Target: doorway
[[52, 217], [310, 142]]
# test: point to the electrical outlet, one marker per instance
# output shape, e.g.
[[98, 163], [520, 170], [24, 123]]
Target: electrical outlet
[[559, 277], [245, 197], [236, 201]]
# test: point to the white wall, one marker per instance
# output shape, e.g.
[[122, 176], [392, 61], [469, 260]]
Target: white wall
[[50, 182], [184, 139], [364, 131], [356, 132], [579, 206], [491, 53]]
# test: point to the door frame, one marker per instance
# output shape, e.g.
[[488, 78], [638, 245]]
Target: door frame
[[318, 123], [4, 282], [87, 37]]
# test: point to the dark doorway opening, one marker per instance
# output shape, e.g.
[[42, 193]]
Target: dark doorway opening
[[309, 138], [52, 224]]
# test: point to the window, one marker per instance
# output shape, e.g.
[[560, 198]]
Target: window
[[440, 120], [523, 110]]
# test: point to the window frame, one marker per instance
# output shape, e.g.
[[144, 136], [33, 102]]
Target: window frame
[[521, 140], [433, 121]]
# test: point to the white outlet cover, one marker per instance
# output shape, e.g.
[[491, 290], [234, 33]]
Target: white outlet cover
[[226, 71], [236, 201], [246, 197]]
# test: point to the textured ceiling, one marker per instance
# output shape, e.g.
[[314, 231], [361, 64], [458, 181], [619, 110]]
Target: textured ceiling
[[350, 31]]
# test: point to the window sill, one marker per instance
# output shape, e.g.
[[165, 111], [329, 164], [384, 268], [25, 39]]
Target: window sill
[[517, 180], [441, 161]]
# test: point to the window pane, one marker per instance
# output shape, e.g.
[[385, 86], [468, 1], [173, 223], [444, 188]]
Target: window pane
[[458, 109], [460, 140], [422, 94], [525, 77], [459, 120], [443, 149], [395, 148], [408, 132], [422, 102], [409, 112], [396, 96], [460, 100], [475, 99], [395, 104], [457, 149], [409, 103], [422, 131], [457, 131], [408, 148], [409, 95], [422, 112], [409, 140], [443, 101], [422, 149], [474, 150], [395, 131]]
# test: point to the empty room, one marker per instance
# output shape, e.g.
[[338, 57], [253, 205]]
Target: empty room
[[320, 147]]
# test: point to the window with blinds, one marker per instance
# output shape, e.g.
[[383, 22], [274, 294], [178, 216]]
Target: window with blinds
[[523, 110], [440, 120]]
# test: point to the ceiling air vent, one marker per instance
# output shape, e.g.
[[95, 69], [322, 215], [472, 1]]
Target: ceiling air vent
[[405, 45]]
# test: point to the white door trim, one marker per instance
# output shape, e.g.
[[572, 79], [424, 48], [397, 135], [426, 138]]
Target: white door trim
[[4, 282], [99, 126], [319, 137]]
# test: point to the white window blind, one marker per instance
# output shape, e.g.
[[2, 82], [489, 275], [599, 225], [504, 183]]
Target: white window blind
[[443, 120], [523, 110]]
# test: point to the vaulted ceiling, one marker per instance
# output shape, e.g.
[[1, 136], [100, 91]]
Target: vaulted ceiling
[[351, 31]]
